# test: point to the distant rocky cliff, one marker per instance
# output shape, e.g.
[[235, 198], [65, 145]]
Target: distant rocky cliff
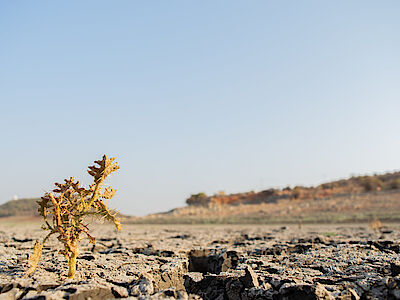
[[353, 185]]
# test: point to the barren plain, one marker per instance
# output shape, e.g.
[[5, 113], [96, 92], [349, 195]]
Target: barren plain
[[347, 208], [208, 262]]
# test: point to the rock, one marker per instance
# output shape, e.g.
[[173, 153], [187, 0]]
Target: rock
[[119, 292], [46, 295], [210, 261], [94, 292], [257, 293], [171, 293], [170, 275], [8, 287], [142, 286], [193, 277], [12, 294], [31, 294], [234, 288], [304, 292], [226, 261], [349, 294], [395, 293], [47, 285], [210, 287], [321, 293], [250, 279], [395, 268]]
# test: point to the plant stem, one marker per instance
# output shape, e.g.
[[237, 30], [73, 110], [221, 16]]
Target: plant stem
[[72, 260], [94, 196]]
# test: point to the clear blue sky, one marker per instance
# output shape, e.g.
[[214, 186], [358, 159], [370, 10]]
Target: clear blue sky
[[197, 96]]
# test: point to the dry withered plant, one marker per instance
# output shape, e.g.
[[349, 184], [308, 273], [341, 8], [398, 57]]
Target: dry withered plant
[[65, 209]]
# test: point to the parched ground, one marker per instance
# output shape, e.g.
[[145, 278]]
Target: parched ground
[[209, 262]]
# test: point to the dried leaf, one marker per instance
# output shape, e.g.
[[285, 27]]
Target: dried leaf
[[34, 258], [108, 193], [105, 167], [108, 214]]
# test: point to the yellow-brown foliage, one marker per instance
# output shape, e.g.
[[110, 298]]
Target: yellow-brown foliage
[[65, 209]]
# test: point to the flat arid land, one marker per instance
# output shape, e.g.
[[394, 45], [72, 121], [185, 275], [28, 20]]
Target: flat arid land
[[294, 261], [364, 207]]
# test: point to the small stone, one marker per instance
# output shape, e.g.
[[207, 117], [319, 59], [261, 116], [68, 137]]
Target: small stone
[[322, 293], [233, 289], [142, 286], [167, 293], [258, 293], [305, 291], [11, 294], [30, 294], [395, 293], [194, 276], [249, 279], [119, 291], [395, 268], [349, 294], [47, 285], [227, 260]]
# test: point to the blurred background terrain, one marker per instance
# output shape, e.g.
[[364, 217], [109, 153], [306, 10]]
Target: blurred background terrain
[[357, 199]]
